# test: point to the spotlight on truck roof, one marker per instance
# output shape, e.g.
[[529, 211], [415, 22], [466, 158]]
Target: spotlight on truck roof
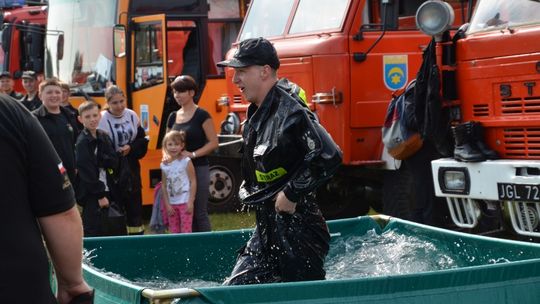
[[434, 17]]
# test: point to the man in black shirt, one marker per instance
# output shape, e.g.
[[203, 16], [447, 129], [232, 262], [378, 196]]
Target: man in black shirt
[[59, 125], [36, 200]]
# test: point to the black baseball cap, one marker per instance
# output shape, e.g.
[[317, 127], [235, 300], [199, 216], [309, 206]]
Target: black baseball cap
[[253, 51], [29, 74], [5, 74]]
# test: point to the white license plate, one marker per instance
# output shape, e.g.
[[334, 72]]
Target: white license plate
[[518, 192]]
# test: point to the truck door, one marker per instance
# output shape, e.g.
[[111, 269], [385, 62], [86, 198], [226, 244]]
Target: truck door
[[149, 70], [379, 68], [148, 89]]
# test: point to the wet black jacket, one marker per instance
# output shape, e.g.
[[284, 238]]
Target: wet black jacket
[[282, 149], [93, 154]]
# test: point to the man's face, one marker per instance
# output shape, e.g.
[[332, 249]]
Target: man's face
[[90, 118], [29, 85], [249, 80], [51, 96], [6, 84]]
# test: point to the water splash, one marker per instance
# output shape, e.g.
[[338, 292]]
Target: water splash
[[392, 253]]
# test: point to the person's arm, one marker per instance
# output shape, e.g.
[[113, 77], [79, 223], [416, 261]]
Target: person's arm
[[170, 121], [315, 169], [107, 157], [192, 186], [211, 145], [63, 236], [165, 194], [139, 146], [87, 171]]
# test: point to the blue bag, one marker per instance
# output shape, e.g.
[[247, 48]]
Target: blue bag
[[399, 132]]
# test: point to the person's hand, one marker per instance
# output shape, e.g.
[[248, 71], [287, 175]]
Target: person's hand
[[103, 202], [170, 210], [125, 150], [189, 209], [66, 293], [283, 204], [187, 154]]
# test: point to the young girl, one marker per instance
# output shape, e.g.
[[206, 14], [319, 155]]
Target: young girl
[[178, 183]]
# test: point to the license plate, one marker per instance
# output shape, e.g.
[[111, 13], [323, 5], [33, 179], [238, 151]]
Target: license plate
[[518, 192]]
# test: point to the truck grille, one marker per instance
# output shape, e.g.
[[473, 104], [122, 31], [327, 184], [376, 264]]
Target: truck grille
[[480, 110], [522, 142], [527, 105], [237, 98]]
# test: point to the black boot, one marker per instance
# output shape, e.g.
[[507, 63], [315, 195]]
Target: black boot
[[478, 139], [465, 149]]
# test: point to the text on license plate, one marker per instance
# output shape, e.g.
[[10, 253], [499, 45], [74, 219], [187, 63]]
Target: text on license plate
[[518, 192]]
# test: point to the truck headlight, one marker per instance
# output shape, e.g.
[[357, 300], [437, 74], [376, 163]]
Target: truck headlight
[[454, 180], [434, 17]]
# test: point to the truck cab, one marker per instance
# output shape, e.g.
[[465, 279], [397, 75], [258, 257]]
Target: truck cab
[[493, 80], [22, 38], [349, 56]]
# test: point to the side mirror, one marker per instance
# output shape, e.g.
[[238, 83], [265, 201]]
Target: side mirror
[[60, 47], [119, 41], [5, 39]]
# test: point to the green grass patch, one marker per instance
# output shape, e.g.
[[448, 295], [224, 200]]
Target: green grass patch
[[231, 221]]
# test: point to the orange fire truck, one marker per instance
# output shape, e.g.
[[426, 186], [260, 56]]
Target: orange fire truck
[[348, 56], [142, 45], [22, 36], [493, 80]]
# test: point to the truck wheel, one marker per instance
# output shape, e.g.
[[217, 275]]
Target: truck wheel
[[398, 193], [224, 184]]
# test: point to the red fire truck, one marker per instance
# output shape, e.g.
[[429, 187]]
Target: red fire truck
[[494, 81], [22, 36], [348, 56]]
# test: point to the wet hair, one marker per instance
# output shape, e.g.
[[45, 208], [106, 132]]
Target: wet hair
[[88, 105], [174, 136], [184, 83], [112, 91], [49, 82]]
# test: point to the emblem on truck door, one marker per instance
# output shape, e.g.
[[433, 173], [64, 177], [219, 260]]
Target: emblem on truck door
[[395, 71]]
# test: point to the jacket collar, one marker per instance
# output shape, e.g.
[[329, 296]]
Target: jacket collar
[[258, 115]]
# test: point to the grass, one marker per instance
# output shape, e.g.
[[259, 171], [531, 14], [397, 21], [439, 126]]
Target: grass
[[230, 221], [219, 221]]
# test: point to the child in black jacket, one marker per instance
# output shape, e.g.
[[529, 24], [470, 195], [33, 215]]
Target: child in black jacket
[[96, 159]]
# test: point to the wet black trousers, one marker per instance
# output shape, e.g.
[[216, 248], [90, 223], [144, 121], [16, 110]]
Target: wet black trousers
[[283, 248]]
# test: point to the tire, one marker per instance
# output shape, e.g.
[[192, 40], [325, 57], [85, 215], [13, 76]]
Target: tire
[[224, 183], [398, 193]]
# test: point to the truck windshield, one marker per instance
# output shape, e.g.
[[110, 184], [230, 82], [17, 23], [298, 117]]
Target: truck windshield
[[266, 19], [495, 14], [332, 18], [87, 57], [269, 18]]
